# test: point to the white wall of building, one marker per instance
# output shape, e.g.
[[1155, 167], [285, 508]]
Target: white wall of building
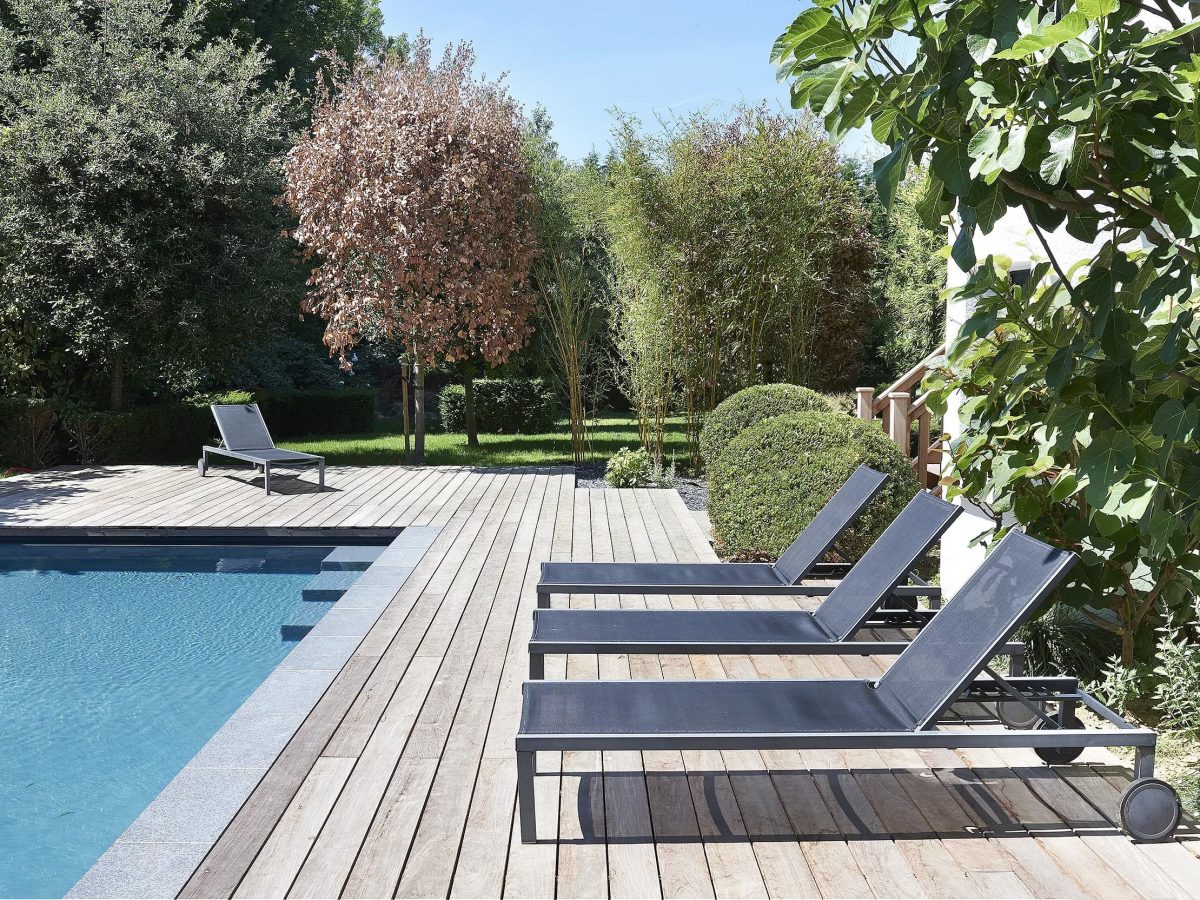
[[1012, 237]]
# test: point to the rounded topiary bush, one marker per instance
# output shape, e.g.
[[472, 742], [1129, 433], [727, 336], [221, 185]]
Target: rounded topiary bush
[[751, 406], [771, 479]]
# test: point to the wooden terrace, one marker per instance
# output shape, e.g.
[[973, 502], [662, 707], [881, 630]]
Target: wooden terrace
[[402, 781]]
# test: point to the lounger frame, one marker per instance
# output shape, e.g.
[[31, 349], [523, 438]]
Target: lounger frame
[[264, 464], [1034, 691], [249, 440]]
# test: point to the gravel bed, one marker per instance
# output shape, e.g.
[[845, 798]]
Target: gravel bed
[[694, 491]]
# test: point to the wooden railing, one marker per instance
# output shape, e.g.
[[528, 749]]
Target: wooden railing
[[897, 410]]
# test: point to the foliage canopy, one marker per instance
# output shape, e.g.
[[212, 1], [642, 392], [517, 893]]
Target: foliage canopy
[[414, 203], [1082, 387], [139, 168]]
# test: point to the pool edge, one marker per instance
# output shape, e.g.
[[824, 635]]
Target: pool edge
[[159, 851]]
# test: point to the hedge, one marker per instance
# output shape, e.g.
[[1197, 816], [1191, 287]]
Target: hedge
[[175, 432], [750, 406], [302, 413], [29, 433], [769, 482], [502, 406]]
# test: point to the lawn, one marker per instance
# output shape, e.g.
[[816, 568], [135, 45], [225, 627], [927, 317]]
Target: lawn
[[385, 445]]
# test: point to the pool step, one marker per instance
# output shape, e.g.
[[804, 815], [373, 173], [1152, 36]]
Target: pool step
[[350, 559], [329, 586], [288, 633]]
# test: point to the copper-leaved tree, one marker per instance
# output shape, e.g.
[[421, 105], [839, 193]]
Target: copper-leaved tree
[[414, 202]]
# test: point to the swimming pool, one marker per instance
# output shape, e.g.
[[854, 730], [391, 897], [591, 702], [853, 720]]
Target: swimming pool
[[117, 663]]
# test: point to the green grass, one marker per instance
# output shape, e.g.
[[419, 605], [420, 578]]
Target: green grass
[[385, 446]]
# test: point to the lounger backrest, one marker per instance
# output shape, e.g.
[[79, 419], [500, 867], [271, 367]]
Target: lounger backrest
[[953, 648], [242, 426], [828, 524], [888, 562]]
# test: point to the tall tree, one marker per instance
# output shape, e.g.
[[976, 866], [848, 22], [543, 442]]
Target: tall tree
[[1082, 385], [747, 230], [139, 237], [572, 275], [415, 204], [294, 33]]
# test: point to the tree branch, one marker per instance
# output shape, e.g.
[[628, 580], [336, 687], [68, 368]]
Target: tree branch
[[1062, 276], [1049, 199]]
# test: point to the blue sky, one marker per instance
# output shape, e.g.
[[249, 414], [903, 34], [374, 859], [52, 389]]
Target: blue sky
[[581, 59]]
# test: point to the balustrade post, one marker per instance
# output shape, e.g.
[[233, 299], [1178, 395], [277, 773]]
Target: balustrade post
[[866, 402], [897, 423]]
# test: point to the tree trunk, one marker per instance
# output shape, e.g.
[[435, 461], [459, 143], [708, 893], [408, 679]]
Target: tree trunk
[[469, 407], [116, 396], [419, 404], [404, 379]]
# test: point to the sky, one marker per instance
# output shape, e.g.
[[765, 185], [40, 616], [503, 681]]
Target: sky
[[651, 58]]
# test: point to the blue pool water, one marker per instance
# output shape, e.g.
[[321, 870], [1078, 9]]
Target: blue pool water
[[117, 664]]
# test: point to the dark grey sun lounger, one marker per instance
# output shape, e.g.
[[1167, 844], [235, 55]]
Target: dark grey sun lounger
[[798, 562], [244, 436], [853, 604], [900, 710]]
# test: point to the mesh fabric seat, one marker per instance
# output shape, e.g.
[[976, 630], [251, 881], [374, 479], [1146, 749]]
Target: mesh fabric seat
[[244, 436], [850, 605], [901, 709], [784, 577], [704, 707]]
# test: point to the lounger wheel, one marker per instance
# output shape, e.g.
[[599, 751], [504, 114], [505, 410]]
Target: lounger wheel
[[1150, 810], [1018, 716], [1059, 756], [201, 467]]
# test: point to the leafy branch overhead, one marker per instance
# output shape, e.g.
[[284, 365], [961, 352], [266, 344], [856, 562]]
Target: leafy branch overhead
[[1082, 387]]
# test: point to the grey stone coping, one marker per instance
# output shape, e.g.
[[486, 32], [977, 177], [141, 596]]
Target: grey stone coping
[[157, 854]]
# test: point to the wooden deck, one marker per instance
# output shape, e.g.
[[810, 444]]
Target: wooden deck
[[402, 781]]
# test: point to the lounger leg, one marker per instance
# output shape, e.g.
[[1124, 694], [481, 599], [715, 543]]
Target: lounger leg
[[525, 764], [320, 476], [543, 601], [1066, 713], [1143, 762], [537, 667], [267, 477], [1016, 664]]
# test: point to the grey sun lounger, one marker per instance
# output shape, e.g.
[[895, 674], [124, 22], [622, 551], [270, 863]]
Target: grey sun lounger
[[244, 436], [801, 560], [902, 709], [854, 603]]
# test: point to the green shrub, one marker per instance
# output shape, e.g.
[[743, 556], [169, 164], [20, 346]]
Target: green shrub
[[294, 414], [750, 406], [166, 433], [1063, 640], [631, 468], [29, 436], [1177, 691], [502, 406], [771, 479]]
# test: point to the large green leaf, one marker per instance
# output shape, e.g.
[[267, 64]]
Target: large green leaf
[[1061, 145], [889, 171], [1094, 9], [1169, 36], [1175, 422], [952, 165], [1105, 463], [1070, 26]]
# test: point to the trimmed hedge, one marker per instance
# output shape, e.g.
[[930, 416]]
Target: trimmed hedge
[[769, 482], [302, 413], [175, 432], [502, 406], [750, 406]]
